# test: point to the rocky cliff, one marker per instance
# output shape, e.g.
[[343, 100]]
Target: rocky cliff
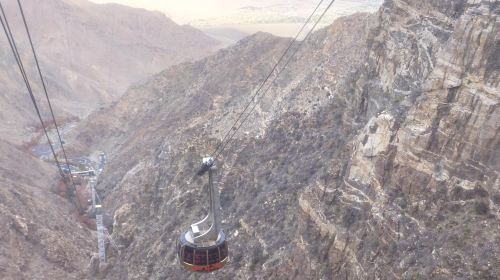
[[375, 155]]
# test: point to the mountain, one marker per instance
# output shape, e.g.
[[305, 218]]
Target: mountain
[[89, 54], [374, 155]]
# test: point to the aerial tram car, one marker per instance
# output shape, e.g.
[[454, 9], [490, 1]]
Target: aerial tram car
[[203, 247]]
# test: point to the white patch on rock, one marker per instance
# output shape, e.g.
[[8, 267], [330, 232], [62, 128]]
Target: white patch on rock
[[379, 141], [373, 141]]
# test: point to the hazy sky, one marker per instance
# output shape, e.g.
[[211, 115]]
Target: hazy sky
[[183, 11]]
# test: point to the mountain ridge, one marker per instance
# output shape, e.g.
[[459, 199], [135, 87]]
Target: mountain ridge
[[89, 54]]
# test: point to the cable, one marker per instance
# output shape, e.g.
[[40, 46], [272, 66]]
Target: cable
[[292, 42], [234, 128], [13, 46], [290, 45], [222, 147], [15, 51], [45, 91]]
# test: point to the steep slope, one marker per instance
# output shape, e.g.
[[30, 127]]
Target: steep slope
[[90, 54], [374, 155], [40, 237]]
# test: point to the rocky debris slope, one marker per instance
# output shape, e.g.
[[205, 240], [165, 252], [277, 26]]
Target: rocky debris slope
[[40, 237], [90, 54], [374, 155]]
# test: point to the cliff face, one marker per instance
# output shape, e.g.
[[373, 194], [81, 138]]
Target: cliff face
[[430, 172], [375, 155]]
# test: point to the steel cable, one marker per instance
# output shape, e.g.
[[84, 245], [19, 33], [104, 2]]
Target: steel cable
[[222, 147], [45, 91], [13, 46], [262, 84]]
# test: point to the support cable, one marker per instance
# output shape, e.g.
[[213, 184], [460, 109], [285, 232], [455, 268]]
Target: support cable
[[222, 147], [262, 84], [46, 94], [13, 46], [235, 127]]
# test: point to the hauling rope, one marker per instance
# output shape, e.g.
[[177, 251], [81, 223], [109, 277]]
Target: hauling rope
[[17, 57], [45, 91], [234, 129], [13, 46]]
